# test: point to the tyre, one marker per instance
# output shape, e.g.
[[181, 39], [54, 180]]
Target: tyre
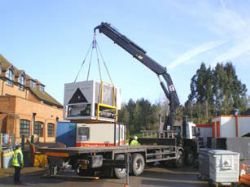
[[120, 173], [138, 164], [179, 162], [189, 158]]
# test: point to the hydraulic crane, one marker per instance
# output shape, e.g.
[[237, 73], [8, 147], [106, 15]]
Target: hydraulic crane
[[140, 54]]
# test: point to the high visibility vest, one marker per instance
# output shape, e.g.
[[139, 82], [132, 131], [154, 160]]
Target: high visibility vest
[[134, 142], [15, 158]]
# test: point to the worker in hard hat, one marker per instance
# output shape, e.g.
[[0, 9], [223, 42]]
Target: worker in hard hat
[[17, 163], [134, 142]]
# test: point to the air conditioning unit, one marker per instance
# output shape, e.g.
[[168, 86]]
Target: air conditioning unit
[[91, 101]]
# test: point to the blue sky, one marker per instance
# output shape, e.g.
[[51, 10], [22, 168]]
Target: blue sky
[[49, 40]]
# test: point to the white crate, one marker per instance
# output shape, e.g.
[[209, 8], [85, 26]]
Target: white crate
[[224, 166], [82, 100]]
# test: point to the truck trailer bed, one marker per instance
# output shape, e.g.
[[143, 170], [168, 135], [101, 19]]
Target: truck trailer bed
[[152, 153], [109, 159], [115, 149]]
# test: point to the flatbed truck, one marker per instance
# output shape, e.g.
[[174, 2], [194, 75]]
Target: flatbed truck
[[111, 161]]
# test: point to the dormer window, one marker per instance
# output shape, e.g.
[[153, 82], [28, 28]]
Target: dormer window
[[32, 84], [41, 87], [10, 76], [21, 80]]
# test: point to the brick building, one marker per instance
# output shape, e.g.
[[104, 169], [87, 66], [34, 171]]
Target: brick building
[[25, 107]]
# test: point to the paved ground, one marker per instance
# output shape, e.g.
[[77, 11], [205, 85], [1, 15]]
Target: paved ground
[[152, 177]]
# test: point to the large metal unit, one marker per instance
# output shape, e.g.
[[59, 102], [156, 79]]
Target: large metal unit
[[89, 101], [240, 145], [223, 166], [100, 134], [90, 135]]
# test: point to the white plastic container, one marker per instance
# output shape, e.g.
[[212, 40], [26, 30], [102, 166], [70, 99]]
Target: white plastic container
[[224, 166], [91, 101]]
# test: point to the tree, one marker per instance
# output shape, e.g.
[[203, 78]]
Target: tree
[[201, 96], [139, 115], [215, 91]]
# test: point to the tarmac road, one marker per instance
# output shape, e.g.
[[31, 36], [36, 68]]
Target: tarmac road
[[152, 177]]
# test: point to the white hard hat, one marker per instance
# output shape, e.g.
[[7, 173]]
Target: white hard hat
[[135, 138]]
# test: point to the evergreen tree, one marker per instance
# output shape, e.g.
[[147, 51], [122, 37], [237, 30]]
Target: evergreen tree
[[139, 115], [215, 92]]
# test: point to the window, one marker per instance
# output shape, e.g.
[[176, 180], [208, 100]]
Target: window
[[21, 80], [41, 88], [83, 133], [38, 128], [10, 76], [32, 84], [195, 131], [24, 127], [51, 130]]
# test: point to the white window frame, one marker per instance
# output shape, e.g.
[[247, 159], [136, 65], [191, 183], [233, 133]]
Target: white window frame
[[51, 131], [32, 83], [21, 81], [25, 131], [10, 76], [41, 88], [38, 128]]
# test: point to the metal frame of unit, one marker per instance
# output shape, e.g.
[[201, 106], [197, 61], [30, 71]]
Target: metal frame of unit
[[101, 104]]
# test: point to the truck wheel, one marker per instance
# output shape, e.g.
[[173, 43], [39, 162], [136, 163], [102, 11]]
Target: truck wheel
[[138, 164], [180, 159], [189, 158], [120, 173]]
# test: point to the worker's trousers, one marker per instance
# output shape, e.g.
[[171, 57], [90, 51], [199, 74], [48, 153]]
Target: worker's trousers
[[17, 174]]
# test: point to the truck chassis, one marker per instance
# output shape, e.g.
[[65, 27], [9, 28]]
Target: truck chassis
[[111, 161]]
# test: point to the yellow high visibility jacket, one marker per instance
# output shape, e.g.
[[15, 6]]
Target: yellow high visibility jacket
[[15, 161], [134, 142]]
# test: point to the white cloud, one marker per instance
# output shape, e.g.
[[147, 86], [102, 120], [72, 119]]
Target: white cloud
[[227, 22], [242, 47], [231, 22], [185, 57]]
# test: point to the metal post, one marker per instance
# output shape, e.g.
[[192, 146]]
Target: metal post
[[32, 139], [115, 134], [236, 126], [33, 123], [127, 170], [22, 142], [236, 113], [1, 138]]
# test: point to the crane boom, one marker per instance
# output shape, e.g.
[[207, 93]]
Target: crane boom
[[140, 54]]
